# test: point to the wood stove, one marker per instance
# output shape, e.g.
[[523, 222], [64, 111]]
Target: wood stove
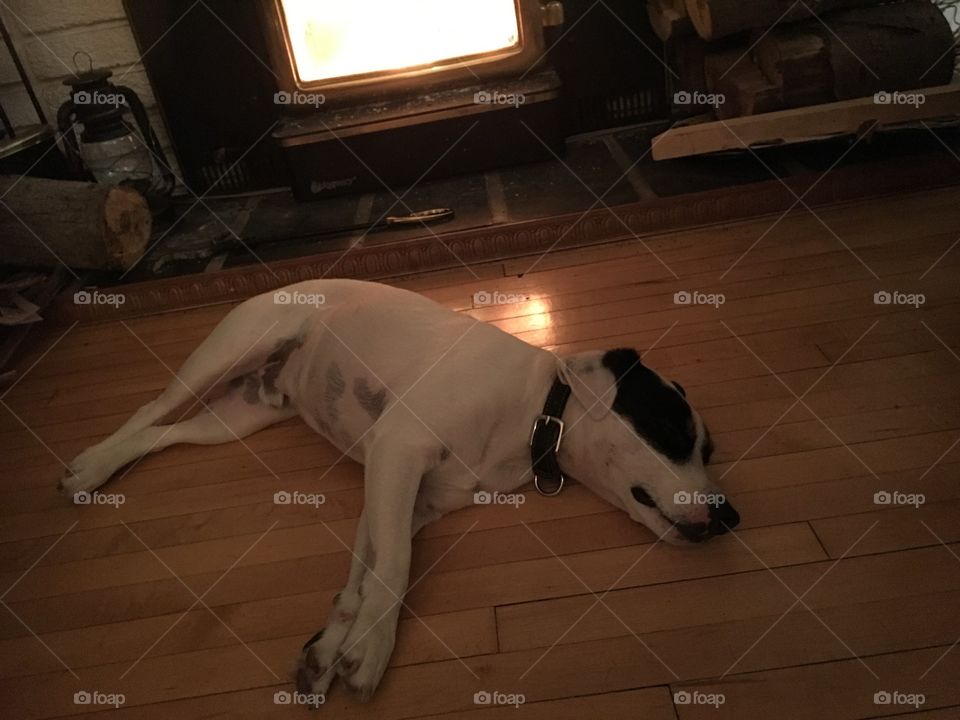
[[215, 69], [376, 92]]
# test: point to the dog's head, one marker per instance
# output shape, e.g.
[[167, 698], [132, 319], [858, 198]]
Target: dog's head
[[634, 440]]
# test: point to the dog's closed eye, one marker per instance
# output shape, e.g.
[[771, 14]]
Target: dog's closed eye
[[641, 496]]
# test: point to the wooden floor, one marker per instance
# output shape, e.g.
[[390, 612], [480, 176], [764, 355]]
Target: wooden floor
[[192, 598]]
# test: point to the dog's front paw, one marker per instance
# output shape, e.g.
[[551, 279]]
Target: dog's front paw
[[366, 651], [315, 669]]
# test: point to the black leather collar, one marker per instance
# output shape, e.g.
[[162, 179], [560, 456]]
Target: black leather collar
[[545, 441]]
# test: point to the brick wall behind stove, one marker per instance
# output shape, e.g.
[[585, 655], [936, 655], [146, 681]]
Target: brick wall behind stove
[[47, 33]]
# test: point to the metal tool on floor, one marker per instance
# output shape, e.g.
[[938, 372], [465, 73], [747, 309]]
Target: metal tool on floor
[[433, 216]]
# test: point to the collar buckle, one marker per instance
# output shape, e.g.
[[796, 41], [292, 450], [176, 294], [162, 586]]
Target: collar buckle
[[542, 421], [547, 475]]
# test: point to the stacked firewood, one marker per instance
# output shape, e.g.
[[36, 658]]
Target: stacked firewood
[[743, 57]]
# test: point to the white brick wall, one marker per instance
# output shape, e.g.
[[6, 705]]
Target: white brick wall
[[47, 33], [44, 16]]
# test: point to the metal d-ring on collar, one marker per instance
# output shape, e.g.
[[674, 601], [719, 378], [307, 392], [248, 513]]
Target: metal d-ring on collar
[[539, 487], [545, 438]]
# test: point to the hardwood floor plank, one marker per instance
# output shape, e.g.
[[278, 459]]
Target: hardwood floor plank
[[902, 527], [428, 639], [649, 704], [745, 596], [464, 588], [837, 690]]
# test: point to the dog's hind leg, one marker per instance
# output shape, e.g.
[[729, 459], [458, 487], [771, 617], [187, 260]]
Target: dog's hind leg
[[247, 338], [232, 416], [241, 342]]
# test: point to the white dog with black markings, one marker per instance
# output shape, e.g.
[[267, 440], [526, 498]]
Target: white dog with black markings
[[437, 406]]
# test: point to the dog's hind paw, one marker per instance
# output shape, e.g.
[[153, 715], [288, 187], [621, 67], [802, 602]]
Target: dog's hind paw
[[84, 474], [73, 482]]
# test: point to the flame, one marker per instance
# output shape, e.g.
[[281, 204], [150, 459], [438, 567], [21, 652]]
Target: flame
[[339, 38]]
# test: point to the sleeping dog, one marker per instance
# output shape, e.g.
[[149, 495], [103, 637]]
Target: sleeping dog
[[437, 407]]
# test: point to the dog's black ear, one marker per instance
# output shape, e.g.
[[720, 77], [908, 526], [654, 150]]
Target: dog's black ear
[[657, 411], [594, 385], [622, 361]]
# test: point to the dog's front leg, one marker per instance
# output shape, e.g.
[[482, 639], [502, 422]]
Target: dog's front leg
[[392, 479], [316, 668]]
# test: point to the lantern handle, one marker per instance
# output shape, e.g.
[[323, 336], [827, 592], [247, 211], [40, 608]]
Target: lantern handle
[[76, 65]]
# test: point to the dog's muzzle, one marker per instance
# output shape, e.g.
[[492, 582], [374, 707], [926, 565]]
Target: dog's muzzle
[[723, 518]]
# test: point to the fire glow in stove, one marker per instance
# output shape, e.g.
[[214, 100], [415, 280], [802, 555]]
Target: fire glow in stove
[[392, 91]]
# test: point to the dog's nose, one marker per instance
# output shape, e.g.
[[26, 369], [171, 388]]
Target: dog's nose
[[694, 532], [723, 518]]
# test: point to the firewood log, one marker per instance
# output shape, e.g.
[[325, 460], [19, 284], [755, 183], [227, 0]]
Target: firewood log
[[740, 86], [686, 57], [798, 64], [852, 53], [902, 46], [50, 223], [714, 19], [669, 18]]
